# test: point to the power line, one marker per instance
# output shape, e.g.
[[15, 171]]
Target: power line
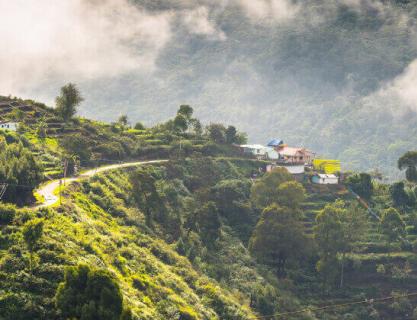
[[334, 306]]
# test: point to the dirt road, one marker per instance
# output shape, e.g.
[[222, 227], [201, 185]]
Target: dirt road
[[47, 191]]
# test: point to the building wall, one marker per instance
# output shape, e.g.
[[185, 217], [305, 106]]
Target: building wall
[[8, 126], [318, 180]]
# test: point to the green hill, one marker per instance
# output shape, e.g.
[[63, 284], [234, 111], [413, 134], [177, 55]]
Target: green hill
[[176, 240]]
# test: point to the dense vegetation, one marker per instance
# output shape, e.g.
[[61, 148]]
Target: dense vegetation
[[206, 235]]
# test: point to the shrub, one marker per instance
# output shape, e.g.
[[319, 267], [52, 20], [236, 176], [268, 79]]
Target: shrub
[[7, 213], [88, 293], [141, 282], [186, 313]]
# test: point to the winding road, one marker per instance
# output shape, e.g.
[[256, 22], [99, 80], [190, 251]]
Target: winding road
[[47, 191]]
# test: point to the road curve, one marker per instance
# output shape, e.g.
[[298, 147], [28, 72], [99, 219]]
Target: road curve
[[47, 191]]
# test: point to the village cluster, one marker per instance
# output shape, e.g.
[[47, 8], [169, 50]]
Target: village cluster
[[296, 160]]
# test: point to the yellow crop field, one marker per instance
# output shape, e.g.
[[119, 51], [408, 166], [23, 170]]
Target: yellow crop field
[[328, 166]]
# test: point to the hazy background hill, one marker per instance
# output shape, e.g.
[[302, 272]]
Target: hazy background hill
[[335, 76]]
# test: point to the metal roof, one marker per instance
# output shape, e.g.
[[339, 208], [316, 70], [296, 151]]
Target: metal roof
[[275, 143]]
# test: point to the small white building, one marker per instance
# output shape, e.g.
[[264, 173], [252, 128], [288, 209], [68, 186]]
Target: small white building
[[271, 154], [325, 179], [257, 150], [293, 169], [11, 126]]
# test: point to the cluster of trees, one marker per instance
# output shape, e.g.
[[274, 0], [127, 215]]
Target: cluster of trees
[[225, 135], [90, 293], [179, 134], [361, 183], [279, 234], [338, 227], [20, 170], [408, 162]]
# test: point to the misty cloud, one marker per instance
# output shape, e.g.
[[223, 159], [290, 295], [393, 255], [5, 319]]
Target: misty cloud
[[198, 22], [76, 40], [400, 94], [261, 11]]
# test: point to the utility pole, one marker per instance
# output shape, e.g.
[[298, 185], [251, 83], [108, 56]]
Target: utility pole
[[60, 192], [65, 169], [3, 188]]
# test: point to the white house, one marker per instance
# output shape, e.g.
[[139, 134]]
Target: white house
[[293, 169], [12, 126], [325, 179], [271, 153], [257, 150]]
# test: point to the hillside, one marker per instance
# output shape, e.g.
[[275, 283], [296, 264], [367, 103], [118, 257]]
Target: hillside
[[190, 238]]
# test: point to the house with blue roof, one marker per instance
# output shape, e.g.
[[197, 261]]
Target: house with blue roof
[[275, 143]]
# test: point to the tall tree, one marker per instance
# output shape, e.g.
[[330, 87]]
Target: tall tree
[[208, 220], [329, 238], [361, 184], [67, 101], [399, 195], [265, 190], [145, 193], [20, 169], [180, 123], [290, 194], [32, 232], [354, 226], [186, 111], [231, 134], [216, 132], [278, 237], [409, 162], [339, 226], [123, 120], [392, 225]]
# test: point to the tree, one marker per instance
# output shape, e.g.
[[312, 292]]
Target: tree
[[329, 238], [290, 194], [88, 294], [32, 232], [180, 123], [278, 237], [139, 126], [67, 102], [186, 111], [227, 192], [208, 221], [354, 226], [361, 184], [392, 225], [76, 145], [339, 226], [409, 162], [41, 128], [197, 127], [399, 195], [145, 193], [231, 198], [216, 132], [231, 134], [123, 120], [21, 170], [265, 190]]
